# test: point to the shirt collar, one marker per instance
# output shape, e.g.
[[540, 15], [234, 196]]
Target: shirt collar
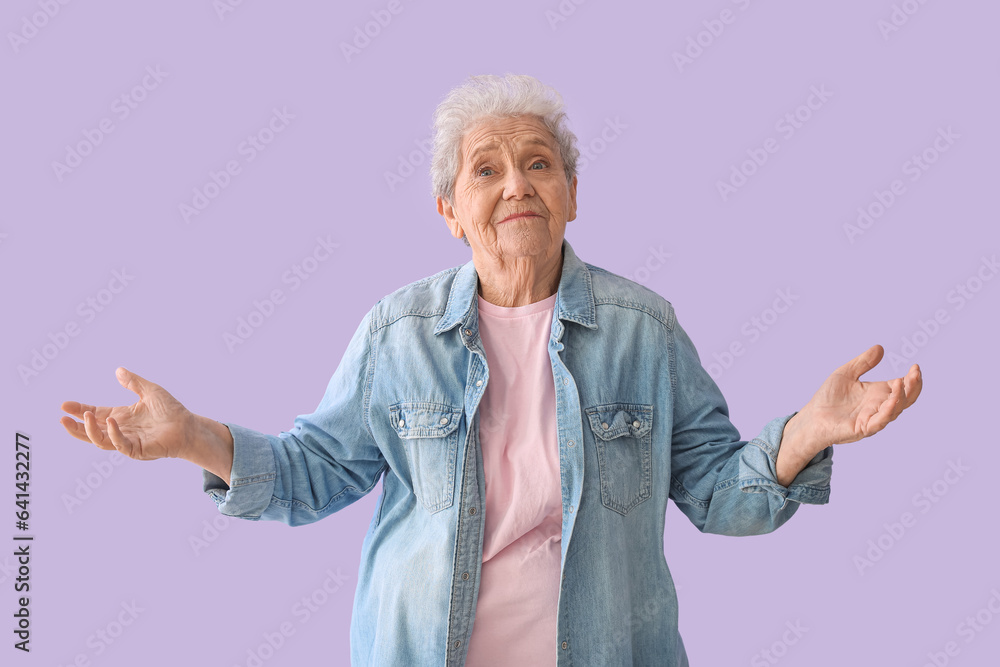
[[574, 297]]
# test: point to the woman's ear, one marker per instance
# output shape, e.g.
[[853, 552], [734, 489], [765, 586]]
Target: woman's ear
[[450, 219], [572, 200]]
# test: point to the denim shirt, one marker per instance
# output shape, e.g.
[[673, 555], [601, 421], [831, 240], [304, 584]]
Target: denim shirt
[[639, 421]]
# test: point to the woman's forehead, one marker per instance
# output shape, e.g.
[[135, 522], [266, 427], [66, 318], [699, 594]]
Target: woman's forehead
[[520, 132]]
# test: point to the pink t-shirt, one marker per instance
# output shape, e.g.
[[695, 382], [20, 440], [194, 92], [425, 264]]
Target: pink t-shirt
[[515, 620]]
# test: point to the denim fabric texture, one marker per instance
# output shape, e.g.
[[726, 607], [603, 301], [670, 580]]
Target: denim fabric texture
[[639, 421]]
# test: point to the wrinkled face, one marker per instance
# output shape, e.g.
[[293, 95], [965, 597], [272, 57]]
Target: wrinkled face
[[510, 167]]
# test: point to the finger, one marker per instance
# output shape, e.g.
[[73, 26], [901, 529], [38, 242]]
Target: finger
[[884, 413], [94, 430], [118, 439], [864, 362], [134, 382], [899, 389], [74, 428], [77, 409], [913, 383]]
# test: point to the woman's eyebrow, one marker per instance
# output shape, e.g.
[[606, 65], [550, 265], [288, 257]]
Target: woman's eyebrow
[[490, 148]]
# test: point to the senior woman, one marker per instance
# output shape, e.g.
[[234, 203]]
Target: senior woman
[[529, 415]]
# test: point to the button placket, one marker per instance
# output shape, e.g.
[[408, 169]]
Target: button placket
[[468, 533]]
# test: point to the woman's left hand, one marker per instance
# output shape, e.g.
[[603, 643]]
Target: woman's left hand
[[845, 409]]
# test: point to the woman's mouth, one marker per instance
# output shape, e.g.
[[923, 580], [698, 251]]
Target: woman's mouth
[[519, 215]]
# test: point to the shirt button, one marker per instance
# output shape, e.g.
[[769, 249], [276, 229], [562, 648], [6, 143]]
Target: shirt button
[[444, 420], [402, 423], [459, 643], [635, 424], [465, 575], [604, 425], [468, 332], [571, 443], [479, 383], [565, 645], [565, 380], [570, 510], [472, 510]]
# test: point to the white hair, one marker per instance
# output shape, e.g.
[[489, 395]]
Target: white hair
[[487, 97]]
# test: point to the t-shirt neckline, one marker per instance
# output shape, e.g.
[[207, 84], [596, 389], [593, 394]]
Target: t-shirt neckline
[[492, 309]]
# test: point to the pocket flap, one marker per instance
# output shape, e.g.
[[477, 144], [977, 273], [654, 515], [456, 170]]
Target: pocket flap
[[421, 419], [613, 420]]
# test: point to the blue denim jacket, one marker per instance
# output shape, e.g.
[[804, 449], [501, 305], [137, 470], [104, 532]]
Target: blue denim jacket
[[639, 421]]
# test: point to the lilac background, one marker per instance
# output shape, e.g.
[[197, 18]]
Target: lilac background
[[654, 186]]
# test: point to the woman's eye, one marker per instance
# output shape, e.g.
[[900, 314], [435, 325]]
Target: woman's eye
[[484, 169], [539, 162]]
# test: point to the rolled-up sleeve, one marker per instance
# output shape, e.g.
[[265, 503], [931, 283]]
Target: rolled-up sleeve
[[723, 484], [327, 461], [251, 484]]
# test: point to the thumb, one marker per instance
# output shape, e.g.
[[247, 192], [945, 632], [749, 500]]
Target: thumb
[[132, 381], [865, 361]]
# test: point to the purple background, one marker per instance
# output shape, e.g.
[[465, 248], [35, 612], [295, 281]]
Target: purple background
[[653, 186]]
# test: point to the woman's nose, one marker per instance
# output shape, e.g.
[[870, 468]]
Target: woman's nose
[[516, 184]]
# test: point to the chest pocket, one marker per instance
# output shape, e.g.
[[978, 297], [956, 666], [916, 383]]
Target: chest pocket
[[623, 432], [429, 432]]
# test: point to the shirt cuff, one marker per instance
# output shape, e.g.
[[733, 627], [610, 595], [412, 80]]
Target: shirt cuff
[[251, 483], [758, 469]]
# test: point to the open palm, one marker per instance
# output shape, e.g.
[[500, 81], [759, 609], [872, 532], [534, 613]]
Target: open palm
[[154, 427], [846, 409]]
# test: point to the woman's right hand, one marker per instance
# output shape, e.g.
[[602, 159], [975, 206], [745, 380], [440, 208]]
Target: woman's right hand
[[154, 427]]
